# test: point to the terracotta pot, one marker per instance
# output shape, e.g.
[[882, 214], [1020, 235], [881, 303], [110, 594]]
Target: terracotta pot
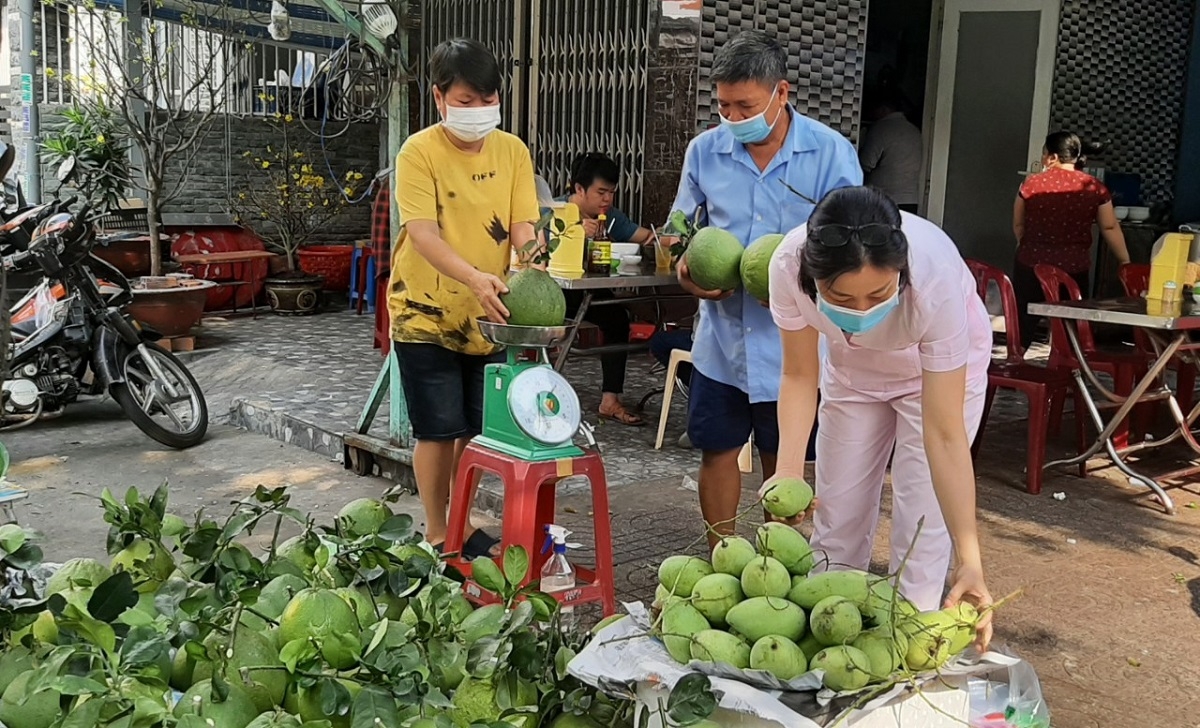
[[131, 257], [295, 294], [332, 262], [171, 311]]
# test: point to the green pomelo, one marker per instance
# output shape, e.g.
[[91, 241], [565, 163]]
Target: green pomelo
[[835, 621], [298, 551], [77, 573], [766, 577], [247, 650], [534, 299], [680, 623], [758, 617], [788, 497], [787, 545], [324, 615], [275, 595], [361, 602], [810, 646], [148, 563], [731, 554], [756, 265], [183, 670], [964, 616], [45, 629], [713, 645], [39, 710], [713, 259], [569, 720], [846, 668], [236, 711], [679, 573], [851, 584], [714, 595], [475, 702], [363, 517], [483, 622], [884, 649], [779, 656]]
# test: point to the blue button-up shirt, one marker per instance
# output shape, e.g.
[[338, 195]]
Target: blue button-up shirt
[[736, 341]]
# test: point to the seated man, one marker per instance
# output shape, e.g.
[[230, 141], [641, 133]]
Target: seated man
[[594, 179]]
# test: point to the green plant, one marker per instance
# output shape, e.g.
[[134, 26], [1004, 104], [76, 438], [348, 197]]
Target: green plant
[[287, 197], [93, 137], [682, 228]]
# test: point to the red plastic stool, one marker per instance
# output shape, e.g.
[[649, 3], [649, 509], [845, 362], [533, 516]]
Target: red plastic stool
[[529, 490]]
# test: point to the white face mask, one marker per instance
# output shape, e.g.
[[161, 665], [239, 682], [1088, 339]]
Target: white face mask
[[471, 123]]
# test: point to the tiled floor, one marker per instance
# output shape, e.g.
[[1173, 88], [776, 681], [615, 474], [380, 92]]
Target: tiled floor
[[322, 368]]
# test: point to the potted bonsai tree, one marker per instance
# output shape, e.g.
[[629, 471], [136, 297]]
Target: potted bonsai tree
[[288, 199]]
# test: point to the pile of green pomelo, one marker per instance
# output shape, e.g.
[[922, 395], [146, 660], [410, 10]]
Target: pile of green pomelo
[[224, 638], [756, 606]]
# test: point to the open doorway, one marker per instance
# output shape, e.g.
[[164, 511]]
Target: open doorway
[[895, 69]]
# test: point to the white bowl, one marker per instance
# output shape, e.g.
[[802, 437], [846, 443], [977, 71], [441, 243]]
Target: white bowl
[[620, 250], [1121, 212], [1139, 214], [630, 265]]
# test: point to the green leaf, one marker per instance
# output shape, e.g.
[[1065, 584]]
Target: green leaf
[[77, 685], [691, 700], [115, 595], [202, 543], [374, 708], [544, 605], [296, 652], [158, 501], [96, 632], [562, 659], [486, 654], [397, 528], [333, 696], [516, 565], [486, 574], [84, 715], [12, 537], [26, 557], [520, 618], [236, 525]]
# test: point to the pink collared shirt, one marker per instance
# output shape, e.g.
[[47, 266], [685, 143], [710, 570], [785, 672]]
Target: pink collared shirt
[[940, 325]]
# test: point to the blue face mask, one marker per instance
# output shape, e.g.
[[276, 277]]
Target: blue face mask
[[858, 322], [755, 129]]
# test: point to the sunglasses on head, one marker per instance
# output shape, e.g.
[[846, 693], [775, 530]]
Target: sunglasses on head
[[872, 235]]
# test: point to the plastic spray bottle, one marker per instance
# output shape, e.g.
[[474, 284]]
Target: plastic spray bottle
[[558, 575]]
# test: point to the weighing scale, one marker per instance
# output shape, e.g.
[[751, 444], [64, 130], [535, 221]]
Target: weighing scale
[[530, 411]]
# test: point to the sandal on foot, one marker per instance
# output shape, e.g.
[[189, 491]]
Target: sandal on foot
[[623, 416], [480, 543]]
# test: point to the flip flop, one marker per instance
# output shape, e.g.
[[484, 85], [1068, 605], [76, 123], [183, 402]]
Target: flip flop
[[623, 417], [480, 543]]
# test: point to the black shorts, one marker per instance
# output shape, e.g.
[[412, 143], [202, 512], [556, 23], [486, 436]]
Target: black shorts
[[721, 417], [443, 389]]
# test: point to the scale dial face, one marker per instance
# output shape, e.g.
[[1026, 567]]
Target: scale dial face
[[544, 406]]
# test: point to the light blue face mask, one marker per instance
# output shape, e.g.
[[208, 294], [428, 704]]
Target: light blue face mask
[[755, 129], [858, 322]]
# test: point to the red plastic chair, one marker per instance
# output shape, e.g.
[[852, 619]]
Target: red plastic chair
[[1045, 388], [1135, 277], [1124, 366]]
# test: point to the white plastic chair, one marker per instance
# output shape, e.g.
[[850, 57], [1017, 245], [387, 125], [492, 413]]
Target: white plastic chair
[[678, 356]]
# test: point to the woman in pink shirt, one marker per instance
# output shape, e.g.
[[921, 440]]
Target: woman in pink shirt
[[907, 346]]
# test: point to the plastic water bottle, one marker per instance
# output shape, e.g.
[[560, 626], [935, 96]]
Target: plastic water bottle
[[558, 575]]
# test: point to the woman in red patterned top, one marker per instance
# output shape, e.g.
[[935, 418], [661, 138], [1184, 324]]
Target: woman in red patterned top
[[1052, 219]]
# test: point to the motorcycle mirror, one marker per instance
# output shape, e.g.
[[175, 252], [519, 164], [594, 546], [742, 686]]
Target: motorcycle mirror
[[66, 169]]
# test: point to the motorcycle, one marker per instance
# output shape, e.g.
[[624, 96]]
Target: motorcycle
[[71, 335]]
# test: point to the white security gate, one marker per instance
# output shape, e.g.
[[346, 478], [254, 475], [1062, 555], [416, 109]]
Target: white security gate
[[575, 81]]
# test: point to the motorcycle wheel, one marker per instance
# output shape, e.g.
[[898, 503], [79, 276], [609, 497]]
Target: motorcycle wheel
[[141, 396]]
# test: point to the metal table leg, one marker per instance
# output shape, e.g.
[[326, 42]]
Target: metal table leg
[[1106, 430], [564, 346]]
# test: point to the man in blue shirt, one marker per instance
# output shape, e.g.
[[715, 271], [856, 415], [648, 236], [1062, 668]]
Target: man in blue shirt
[[594, 179], [738, 175]]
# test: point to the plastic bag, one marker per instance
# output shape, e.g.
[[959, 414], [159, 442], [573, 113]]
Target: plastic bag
[[1008, 697], [43, 307]]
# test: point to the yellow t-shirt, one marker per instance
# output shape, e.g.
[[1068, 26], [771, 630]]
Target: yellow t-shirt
[[475, 199]]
